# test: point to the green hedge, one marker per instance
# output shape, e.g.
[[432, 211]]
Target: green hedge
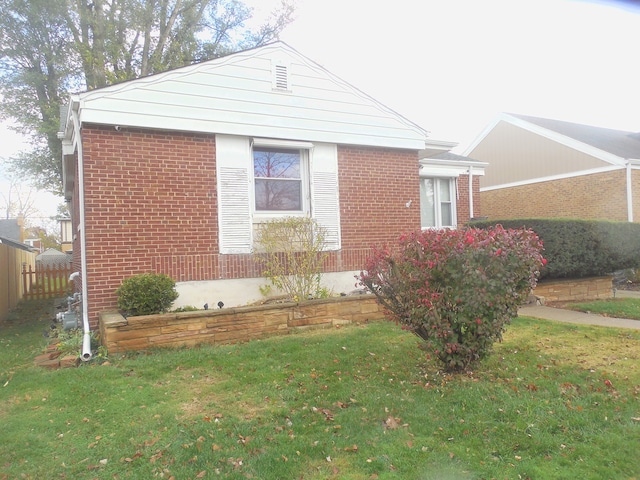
[[580, 248]]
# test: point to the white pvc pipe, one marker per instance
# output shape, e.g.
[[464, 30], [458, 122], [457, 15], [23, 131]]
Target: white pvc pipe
[[629, 193], [471, 215], [86, 340]]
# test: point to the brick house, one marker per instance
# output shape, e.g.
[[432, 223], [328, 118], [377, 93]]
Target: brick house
[[166, 174], [550, 168]]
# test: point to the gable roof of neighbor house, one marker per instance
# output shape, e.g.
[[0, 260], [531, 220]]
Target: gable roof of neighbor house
[[608, 145], [617, 142], [14, 244], [52, 256], [270, 91], [10, 229], [523, 149]]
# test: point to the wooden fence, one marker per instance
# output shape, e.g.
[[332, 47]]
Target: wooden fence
[[12, 260], [46, 281]]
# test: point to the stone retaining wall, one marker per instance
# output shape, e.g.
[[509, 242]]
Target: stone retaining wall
[[575, 289], [231, 325]]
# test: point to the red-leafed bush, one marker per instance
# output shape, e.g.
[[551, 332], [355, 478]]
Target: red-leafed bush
[[456, 289]]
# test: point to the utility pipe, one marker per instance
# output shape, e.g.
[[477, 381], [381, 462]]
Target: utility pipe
[[629, 194], [470, 192], [86, 339]]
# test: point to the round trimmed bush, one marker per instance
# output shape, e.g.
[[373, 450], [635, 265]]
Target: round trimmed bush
[[146, 294]]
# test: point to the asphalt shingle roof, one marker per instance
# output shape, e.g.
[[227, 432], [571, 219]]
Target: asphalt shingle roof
[[617, 142]]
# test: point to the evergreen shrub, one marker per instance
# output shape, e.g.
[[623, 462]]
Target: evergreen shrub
[[146, 294], [580, 248]]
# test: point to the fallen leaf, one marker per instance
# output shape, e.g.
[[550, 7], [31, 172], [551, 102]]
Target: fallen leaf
[[391, 423], [201, 474]]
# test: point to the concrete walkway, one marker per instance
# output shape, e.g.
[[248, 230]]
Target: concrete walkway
[[570, 316]]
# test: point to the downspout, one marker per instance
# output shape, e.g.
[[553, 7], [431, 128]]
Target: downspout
[[470, 192], [629, 193], [86, 340]]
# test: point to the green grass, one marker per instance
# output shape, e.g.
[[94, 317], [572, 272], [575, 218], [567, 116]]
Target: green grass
[[353, 403], [611, 307]]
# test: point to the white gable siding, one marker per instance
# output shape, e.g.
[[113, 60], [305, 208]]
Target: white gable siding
[[235, 95]]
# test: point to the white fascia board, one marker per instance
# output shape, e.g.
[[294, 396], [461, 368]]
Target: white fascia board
[[466, 164], [553, 177], [427, 171], [448, 170]]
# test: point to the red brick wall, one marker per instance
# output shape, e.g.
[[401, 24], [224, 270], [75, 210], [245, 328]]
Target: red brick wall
[[148, 195], [375, 185], [462, 205], [151, 206]]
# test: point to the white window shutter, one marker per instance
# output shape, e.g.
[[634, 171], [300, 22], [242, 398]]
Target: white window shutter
[[233, 161], [325, 202]]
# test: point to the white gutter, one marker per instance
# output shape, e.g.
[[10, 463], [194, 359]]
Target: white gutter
[[86, 340], [629, 193], [470, 192]]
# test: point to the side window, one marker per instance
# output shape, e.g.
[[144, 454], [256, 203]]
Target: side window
[[279, 179], [437, 202]]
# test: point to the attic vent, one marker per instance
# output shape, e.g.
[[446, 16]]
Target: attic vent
[[280, 72]]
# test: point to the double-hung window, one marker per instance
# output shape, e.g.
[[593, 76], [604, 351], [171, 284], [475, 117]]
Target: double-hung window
[[279, 179], [437, 205]]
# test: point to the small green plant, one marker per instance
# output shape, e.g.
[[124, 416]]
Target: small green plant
[[69, 342], [266, 290], [146, 294], [186, 308], [291, 250], [456, 289]]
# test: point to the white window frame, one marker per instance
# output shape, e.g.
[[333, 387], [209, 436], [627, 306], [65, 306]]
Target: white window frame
[[304, 149], [438, 201]]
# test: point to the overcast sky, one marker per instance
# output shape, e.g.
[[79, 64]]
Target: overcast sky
[[452, 65]]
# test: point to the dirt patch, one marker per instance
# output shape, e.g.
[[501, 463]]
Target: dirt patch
[[211, 400]]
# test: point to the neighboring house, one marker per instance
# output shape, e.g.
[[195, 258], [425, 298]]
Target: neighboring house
[[12, 229], [173, 173], [66, 235], [35, 243], [550, 168]]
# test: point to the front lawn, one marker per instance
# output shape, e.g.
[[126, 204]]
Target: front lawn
[[611, 307], [361, 402]]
